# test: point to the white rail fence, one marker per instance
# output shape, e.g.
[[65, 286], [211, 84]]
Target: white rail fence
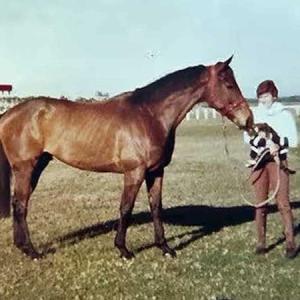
[[7, 103], [202, 112], [199, 112]]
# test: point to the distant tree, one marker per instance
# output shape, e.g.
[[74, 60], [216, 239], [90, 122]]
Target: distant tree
[[82, 99], [102, 95]]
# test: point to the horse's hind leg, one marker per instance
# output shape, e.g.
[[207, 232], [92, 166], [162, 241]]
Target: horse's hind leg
[[22, 189], [132, 184], [154, 183]]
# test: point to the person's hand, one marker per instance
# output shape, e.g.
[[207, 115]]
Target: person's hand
[[274, 148]]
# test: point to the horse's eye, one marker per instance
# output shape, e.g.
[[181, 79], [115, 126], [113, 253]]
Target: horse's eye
[[229, 85]]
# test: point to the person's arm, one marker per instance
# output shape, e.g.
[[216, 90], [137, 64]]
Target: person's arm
[[289, 129]]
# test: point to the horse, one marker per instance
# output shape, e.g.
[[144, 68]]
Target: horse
[[132, 133]]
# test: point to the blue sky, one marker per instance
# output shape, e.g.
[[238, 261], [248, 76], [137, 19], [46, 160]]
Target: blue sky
[[75, 48]]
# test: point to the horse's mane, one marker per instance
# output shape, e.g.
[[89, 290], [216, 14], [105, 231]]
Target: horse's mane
[[167, 85], [155, 91], [40, 98]]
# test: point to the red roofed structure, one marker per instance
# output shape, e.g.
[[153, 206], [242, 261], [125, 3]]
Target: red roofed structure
[[5, 88]]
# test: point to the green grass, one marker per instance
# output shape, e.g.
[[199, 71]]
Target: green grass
[[205, 221]]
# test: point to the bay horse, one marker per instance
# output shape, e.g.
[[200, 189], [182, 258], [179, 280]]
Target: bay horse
[[132, 133]]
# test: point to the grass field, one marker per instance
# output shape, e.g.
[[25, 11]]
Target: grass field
[[205, 221]]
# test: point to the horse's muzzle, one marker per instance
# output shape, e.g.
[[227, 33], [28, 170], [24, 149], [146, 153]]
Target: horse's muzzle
[[250, 125], [243, 118]]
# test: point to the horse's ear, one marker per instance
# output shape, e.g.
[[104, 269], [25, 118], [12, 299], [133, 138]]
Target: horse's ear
[[228, 61], [222, 66]]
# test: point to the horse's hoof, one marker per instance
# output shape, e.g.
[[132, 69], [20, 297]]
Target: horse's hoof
[[260, 250], [29, 251], [291, 253], [168, 252], [33, 254], [127, 255]]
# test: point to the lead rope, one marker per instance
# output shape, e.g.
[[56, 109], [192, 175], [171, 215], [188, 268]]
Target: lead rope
[[233, 162]]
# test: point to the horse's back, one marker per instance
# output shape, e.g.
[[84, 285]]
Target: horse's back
[[109, 136], [52, 112]]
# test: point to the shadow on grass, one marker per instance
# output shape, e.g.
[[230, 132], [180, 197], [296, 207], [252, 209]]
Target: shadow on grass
[[209, 219]]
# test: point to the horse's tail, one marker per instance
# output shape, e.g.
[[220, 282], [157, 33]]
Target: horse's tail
[[5, 172]]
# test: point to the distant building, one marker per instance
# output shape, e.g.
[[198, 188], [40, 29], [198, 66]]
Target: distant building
[[5, 88]]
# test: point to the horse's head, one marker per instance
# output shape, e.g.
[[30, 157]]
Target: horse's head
[[223, 94]]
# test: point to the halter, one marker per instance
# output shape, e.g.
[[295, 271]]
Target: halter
[[226, 110]]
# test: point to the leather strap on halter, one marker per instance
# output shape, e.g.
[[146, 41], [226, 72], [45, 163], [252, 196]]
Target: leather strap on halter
[[226, 110]]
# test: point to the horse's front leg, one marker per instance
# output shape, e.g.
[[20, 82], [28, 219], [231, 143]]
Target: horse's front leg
[[22, 191], [132, 184], [154, 181]]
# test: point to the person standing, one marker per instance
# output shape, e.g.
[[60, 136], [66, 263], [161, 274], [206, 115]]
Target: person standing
[[265, 177]]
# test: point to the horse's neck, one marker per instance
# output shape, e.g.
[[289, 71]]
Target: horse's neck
[[173, 109]]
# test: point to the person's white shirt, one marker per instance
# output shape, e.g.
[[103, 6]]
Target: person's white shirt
[[279, 118]]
